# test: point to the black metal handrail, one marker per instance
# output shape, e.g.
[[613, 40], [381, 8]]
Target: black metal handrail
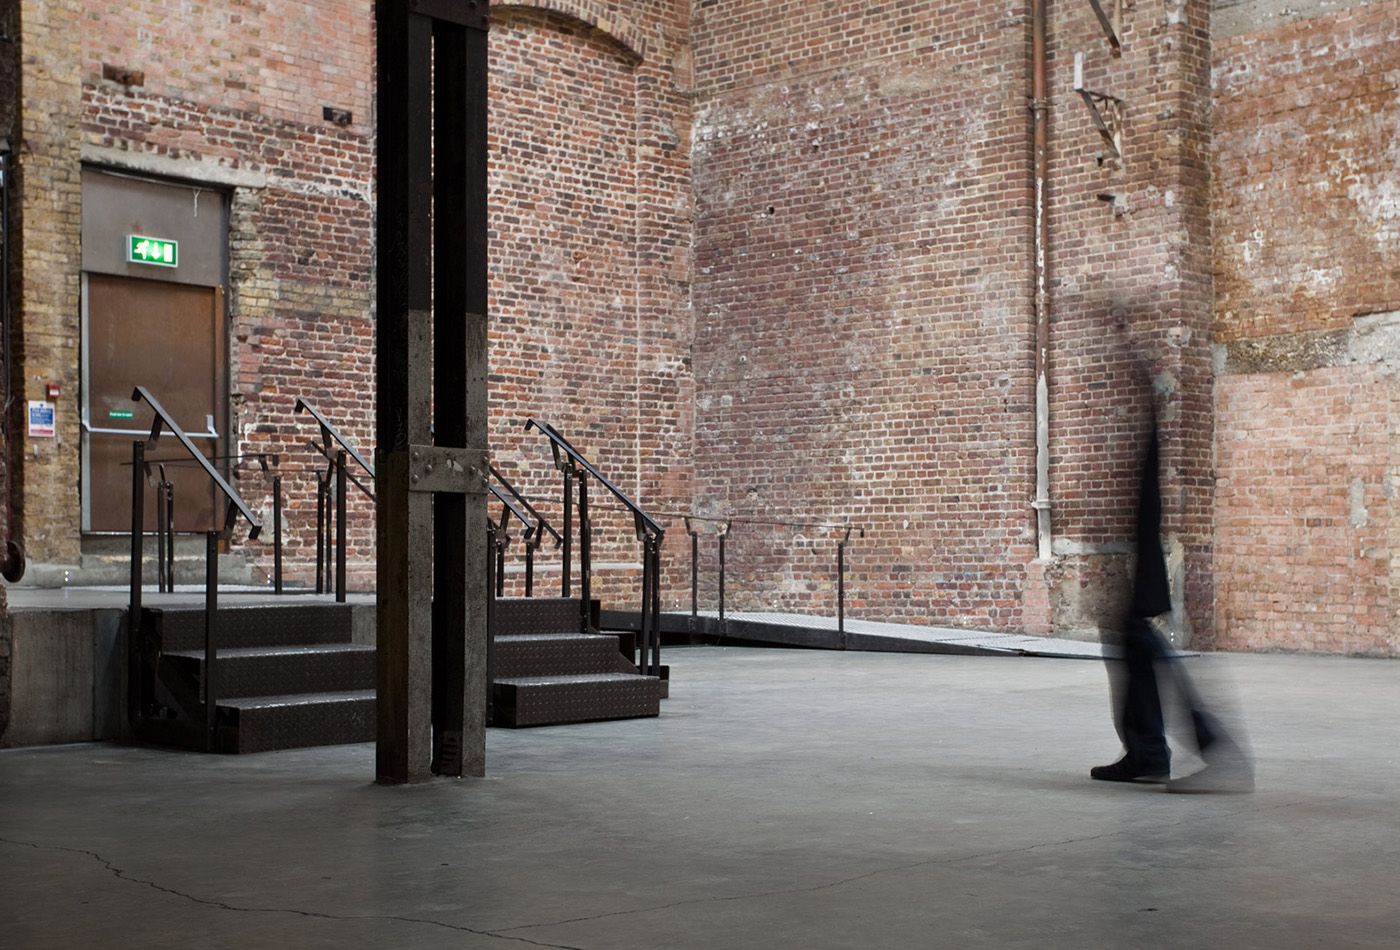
[[726, 524], [559, 443], [330, 433], [141, 675], [574, 467], [165, 508], [337, 473], [500, 535], [534, 536]]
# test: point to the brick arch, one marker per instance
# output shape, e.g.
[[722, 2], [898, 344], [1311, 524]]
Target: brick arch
[[593, 14]]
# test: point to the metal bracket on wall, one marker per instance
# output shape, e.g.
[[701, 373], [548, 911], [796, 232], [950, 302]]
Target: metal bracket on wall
[[1111, 20], [1105, 110]]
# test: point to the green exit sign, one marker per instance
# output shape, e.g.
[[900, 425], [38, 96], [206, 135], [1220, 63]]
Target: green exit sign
[[148, 250]]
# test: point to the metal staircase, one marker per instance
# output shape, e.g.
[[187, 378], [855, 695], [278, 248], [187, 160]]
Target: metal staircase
[[289, 676], [547, 672], [251, 679]]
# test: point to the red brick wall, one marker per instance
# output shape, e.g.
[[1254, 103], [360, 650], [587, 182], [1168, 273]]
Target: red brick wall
[[1307, 230], [591, 231], [862, 257], [1307, 212], [590, 264], [237, 92], [865, 326], [1130, 240], [1305, 543]]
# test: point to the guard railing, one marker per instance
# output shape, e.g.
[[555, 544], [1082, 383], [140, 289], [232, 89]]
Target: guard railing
[[576, 471], [536, 527], [724, 527], [337, 451], [140, 661]]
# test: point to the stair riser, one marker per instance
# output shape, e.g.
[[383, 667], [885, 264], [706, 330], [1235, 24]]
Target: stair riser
[[534, 659], [297, 727], [252, 626], [513, 615], [546, 705], [284, 673]]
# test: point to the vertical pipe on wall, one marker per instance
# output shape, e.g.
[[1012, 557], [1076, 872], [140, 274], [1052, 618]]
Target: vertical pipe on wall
[[12, 562], [1040, 106]]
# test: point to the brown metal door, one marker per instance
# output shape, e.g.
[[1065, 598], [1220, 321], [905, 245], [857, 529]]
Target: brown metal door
[[170, 339]]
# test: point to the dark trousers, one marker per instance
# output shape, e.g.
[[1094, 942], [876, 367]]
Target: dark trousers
[[1139, 678]]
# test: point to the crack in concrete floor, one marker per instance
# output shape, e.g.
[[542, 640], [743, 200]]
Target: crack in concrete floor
[[511, 933], [122, 875]]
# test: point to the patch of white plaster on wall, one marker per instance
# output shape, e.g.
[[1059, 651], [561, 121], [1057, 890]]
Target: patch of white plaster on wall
[[1378, 199], [1375, 339], [1318, 281], [1359, 515], [1252, 245]]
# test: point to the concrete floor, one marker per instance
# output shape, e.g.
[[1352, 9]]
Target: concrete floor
[[784, 799]]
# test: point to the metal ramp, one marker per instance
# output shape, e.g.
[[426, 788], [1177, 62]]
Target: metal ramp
[[822, 633]]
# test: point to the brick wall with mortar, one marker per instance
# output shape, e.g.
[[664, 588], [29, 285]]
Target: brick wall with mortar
[[862, 279], [590, 248], [231, 98], [44, 479], [1307, 324], [865, 334], [9, 131], [590, 269], [1131, 298]]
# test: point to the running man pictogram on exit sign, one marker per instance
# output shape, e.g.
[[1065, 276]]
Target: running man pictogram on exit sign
[[148, 250]]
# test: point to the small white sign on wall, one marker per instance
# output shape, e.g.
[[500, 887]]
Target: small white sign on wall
[[40, 419]]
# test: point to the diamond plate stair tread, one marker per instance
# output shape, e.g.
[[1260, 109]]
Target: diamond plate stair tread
[[297, 699], [566, 678], [271, 651]]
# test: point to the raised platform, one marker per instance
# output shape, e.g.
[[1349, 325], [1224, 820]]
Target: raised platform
[[821, 633], [66, 660]]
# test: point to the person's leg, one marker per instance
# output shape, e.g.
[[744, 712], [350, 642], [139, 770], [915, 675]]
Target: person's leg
[[1139, 714], [1227, 766], [1144, 731]]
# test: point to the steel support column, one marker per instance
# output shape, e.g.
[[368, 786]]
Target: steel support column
[[431, 376]]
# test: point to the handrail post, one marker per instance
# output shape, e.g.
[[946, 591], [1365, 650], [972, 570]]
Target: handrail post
[[211, 607], [277, 534], [694, 575], [644, 634], [568, 532], [170, 536], [723, 537], [656, 606], [502, 542], [841, 587], [340, 527], [585, 553], [530, 565], [160, 532], [320, 533], [490, 620], [134, 672]]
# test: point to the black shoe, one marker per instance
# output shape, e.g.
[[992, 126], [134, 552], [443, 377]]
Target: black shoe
[[1127, 770]]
